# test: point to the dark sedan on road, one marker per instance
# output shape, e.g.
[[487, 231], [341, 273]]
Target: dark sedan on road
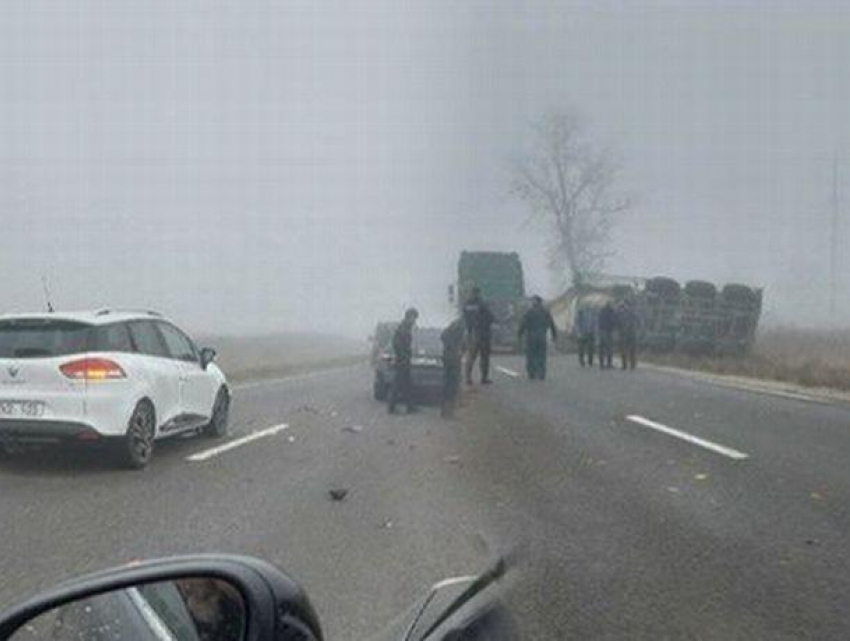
[[427, 365]]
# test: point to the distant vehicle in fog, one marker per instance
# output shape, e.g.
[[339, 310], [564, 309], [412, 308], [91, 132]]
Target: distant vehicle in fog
[[121, 378], [499, 276], [697, 318], [426, 366]]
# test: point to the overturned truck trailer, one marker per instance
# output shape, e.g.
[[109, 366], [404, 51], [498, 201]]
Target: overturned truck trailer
[[697, 318]]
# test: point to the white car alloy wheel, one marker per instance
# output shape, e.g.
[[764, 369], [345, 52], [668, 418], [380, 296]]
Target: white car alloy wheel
[[137, 448]]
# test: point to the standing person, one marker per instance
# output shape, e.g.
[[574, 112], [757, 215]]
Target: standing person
[[606, 324], [453, 346], [586, 335], [536, 322], [402, 387], [479, 322], [627, 328]]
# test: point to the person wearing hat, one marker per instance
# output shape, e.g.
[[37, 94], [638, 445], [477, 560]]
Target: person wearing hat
[[535, 323], [402, 386]]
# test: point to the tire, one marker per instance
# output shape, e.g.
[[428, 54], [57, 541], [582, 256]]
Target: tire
[[136, 447], [700, 289], [379, 389], [741, 294], [663, 286], [217, 427]]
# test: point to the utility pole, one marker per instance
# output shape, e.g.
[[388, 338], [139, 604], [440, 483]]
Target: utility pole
[[833, 244]]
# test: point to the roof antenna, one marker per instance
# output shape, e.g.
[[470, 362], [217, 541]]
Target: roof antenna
[[46, 293]]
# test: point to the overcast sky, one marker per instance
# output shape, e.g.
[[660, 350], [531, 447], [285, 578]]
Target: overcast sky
[[255, 165]]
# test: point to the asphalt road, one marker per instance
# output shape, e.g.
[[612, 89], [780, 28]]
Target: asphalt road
[[642, 505]]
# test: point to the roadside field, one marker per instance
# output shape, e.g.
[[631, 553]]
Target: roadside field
[[246, 358], [807, 357]]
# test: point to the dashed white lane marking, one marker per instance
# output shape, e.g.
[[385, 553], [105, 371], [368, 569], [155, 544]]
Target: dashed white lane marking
[[237, 442], [690, 438], [507, 372]]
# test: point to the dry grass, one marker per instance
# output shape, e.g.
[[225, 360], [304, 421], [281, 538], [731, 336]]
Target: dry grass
[[811, 358], [255, 357]]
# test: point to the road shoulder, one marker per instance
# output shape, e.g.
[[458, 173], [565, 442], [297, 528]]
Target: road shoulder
[[758, 386]]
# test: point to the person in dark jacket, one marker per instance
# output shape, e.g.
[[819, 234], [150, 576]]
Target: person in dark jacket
[[479, 323], [402, 387], [453, 338], [627, 329], [536, 322], [606, 323], [585, 331]]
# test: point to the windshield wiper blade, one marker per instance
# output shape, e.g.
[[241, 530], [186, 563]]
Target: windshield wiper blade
[[478, 585]]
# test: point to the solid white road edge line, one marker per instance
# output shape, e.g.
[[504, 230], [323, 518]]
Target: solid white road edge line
[[238, 442], [753, 386], [507, 372], [714, 447]]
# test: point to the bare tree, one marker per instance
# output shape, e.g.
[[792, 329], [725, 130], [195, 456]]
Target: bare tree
[[571, 183]]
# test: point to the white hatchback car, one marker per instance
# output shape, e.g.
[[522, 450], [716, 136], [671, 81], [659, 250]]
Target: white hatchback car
[[118, 377]]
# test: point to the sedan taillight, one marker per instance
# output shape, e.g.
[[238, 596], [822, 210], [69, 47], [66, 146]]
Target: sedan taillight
[[93, 369]]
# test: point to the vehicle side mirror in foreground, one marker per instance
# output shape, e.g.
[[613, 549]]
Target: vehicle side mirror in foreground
[[207, 356], [228, 598]]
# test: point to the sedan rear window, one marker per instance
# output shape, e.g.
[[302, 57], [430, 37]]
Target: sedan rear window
[[427, 341], [42, 338]]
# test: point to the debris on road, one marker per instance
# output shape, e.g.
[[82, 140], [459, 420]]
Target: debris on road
[[354, 429], [700, 477], [816, 496], [673, 489], [454, 460], [387, 525], [291, 439], [338, 494]]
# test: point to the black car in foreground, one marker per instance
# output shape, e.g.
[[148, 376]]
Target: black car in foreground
[[427, 365]]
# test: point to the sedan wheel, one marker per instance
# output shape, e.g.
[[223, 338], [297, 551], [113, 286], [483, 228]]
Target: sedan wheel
[[379, 388]]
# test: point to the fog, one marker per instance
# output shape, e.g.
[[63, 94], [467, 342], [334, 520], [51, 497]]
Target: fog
[[257, 166]]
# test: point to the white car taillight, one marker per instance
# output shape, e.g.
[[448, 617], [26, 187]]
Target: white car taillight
[[93, 369]]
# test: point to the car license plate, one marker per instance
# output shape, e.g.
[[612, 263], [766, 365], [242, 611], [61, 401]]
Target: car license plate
[[21, 409]]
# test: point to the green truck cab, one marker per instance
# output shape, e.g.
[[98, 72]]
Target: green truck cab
[[500, 277]]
